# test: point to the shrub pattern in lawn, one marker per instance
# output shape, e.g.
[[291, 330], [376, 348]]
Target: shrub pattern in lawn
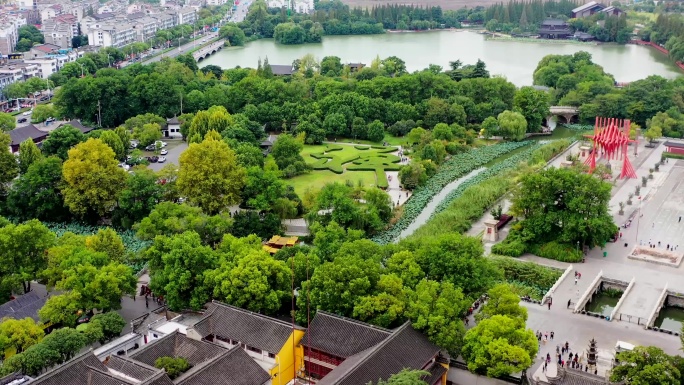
[[452, 169], [370, 158]]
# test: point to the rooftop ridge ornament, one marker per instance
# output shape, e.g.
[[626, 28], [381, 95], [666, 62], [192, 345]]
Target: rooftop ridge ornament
[[610, 141]]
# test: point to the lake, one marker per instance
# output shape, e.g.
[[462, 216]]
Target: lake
[[516, 60]]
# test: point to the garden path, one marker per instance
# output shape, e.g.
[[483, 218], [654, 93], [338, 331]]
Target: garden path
[[429, 210]]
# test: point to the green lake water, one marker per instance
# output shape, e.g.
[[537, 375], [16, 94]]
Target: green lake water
[[602, 304], [670, 318]]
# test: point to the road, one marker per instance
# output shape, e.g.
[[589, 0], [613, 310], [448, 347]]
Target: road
[[210, 36], [240, 12]]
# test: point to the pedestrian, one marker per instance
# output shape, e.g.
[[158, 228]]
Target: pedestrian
[[546, 335], [569, 302], [680, 219], [585, 368], [552, 335], [658, 243], [575, 281], [575, 273], [579, 275], [620, 234], [667, 247], [549, 305], [557, 349], [548, 357], [562, 364], [147, 304], [596, 372]]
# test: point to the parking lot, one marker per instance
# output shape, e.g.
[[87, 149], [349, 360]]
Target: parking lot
[[174, 148]]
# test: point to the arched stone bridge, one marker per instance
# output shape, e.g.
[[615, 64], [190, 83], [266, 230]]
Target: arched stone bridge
[[567, 112], [208, 50]]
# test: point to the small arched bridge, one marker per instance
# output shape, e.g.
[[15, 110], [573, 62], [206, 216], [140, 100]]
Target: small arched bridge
[[208, 50], [567, 112]]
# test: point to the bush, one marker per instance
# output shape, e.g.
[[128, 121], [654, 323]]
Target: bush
[[673, 155], [381, 178], [528, 273], [174, 366], [512, 249], [362, 148], [557, 251]]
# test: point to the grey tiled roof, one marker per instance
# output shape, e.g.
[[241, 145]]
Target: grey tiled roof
[[23, 306], [436, 372], [78, 125], [178, 345], [341, 337], [30, 131], [14, 377], [405, 348], [130, 367], [233, 367], [76, 372], [253, 329], [279, 69]]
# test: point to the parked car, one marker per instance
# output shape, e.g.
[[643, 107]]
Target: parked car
[[163, 152], [151, 147], [21, 120], [161, 143], [161, 159], [153, 159], [50, 120], [134, 144], [27, 113]]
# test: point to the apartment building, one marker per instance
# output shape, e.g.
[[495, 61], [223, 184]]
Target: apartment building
[[9, 31], [51, 61], [60, 30], [187, 15], [164, 20], [146, 27], [50, 12], [113, 35], [94, 22], [19, 71]]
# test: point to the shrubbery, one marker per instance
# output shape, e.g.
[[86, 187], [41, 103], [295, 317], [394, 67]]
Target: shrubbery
[[557, 251]]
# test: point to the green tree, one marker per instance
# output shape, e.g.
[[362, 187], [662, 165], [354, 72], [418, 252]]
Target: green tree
[[331, 66], [36, 194], [111, 139], [61, 140], [92, 179], [503, 301], [7, 122], [437, 310], [99, 287], [19, 335], [337, 286], [177, 267], [412, 175], [252, 280], [66, 342], [457, 259], [142, 193], [499, 346], [174, 366], [210, 176], [386, 307], [512, 125], [655, 126], [564, 205], [29, 153], [286, 153], [8, 163], [23, 253], [404, 265], [147, 134], [645, 365], [169, 218], [533, 104], [406, 377], [376, 131], [107, 241], [42, 112], [111, 324], [61, 309], [328, 239], [235, 35], [37, 358]]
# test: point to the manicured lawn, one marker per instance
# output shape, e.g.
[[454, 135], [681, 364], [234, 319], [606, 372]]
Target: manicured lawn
[[318, 178], [340, 163]]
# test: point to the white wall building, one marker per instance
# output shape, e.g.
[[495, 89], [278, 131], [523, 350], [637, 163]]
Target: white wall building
[[112, 35], [187, 15]]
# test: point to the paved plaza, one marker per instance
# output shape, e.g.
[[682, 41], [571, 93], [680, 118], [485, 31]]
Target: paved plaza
[[655, 218]]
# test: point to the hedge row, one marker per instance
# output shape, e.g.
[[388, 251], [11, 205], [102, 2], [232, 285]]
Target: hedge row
[[452, 169], [539, 278]]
